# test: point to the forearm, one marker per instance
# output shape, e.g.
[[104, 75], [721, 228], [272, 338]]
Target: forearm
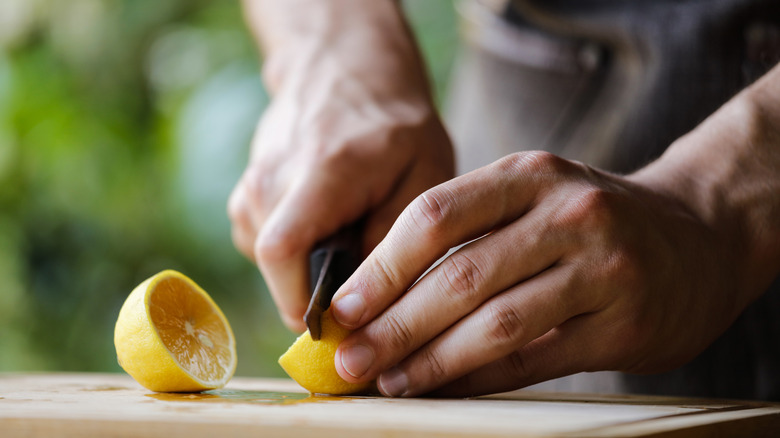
[[728, 172], [321, 38]]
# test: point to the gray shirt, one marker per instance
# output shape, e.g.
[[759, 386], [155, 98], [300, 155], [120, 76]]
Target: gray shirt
[[612, 83]]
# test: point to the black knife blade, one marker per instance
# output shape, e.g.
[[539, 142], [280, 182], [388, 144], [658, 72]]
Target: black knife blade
[[331, 263]]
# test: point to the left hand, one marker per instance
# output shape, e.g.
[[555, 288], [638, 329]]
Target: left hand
[[576, 270]]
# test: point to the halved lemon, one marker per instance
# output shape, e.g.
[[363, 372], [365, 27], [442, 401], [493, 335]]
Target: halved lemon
[[312, 363], [171, 337]]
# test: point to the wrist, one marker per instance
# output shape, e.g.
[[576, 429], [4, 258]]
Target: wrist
[[366, 40], [725, 173]]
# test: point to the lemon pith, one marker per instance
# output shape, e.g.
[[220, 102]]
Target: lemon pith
[[311, 363], [170, 336]]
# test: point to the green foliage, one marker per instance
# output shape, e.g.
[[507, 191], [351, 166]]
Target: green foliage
[[123, 126]]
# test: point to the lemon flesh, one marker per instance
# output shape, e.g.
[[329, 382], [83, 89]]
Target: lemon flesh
[[171, 337], [311, 363]]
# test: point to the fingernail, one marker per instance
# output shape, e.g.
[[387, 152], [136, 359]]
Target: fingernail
[[349, 309], [393, 382], [357, 359]]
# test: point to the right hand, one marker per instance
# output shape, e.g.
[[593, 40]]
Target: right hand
[[331, 148]]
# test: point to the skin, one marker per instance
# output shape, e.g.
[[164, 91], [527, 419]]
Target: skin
[[573, 269], [348, 135]]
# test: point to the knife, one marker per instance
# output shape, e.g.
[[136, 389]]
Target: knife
[[331, 263]]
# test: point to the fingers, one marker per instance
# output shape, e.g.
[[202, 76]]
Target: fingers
[[562, 351], [312, 209], [455, 288], [417, 180], [276, 224], [501, 325], [441, 218], [248, 206], [285, 267], [243, 231]]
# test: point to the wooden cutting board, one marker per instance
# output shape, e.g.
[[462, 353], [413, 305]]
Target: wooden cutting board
[[86, 405]]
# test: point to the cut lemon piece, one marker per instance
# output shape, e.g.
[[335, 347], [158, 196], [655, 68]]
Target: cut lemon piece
[[171, 337], [311, 363]]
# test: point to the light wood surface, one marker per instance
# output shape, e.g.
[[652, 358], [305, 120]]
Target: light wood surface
[[84, 405]]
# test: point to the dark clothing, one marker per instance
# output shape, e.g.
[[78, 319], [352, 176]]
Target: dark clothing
[[612, 83]]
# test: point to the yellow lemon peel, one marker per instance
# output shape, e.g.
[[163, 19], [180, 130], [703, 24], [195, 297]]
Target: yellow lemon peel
[[311, 363], [170, 336]]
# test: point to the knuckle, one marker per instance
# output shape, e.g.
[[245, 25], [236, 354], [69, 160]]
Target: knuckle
[[398, 335], [275, 247], [543, 161], [516, 366], [504, 325], [463, 274], [434, 365], [322, 129], [624, 266], [242, 242], [236, 208], [595, 199], [329, 156], [337, 154], [255, 180], [614, 273], [591, 207], [431, 211], [533, 162], [538, 237], [385, 273]]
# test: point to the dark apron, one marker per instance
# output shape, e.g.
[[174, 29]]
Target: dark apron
[[612, 83]]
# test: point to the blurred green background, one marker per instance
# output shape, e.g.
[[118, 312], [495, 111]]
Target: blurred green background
[[123, 126]]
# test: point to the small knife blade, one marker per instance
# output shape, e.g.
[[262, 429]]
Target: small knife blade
[[331, 263]]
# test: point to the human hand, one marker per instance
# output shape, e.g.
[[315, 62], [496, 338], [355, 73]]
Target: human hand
[[351, 133], [574, 270], [330, 149]]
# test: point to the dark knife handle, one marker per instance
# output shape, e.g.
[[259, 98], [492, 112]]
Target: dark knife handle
[[345, 249], [331, 263]]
